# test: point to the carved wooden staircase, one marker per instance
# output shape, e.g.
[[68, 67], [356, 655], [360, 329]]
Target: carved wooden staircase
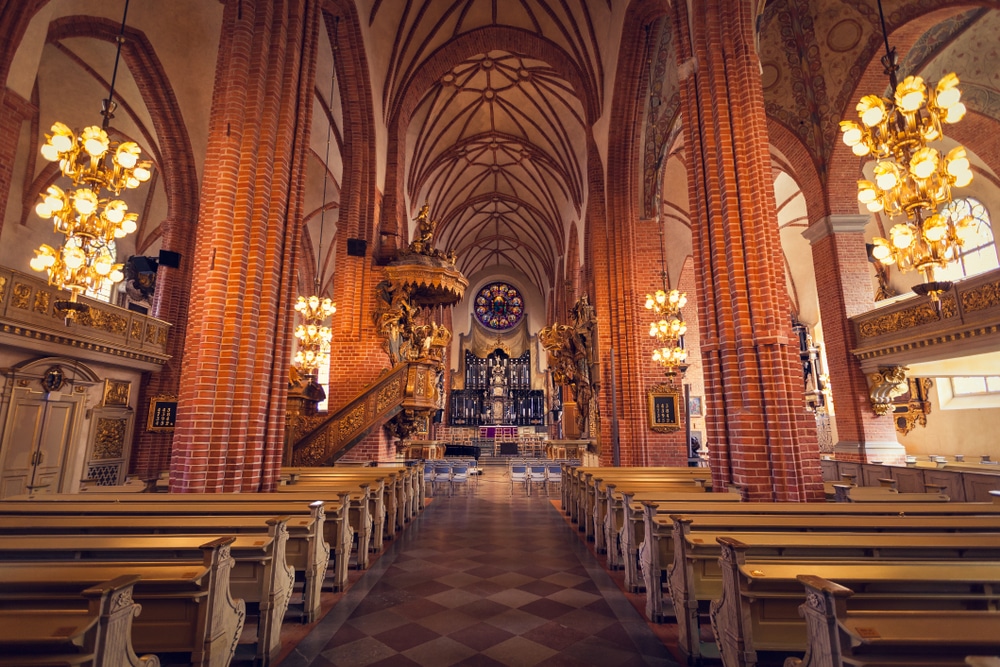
[[321, 440]]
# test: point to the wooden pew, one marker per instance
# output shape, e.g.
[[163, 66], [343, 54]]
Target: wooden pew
[[366, 511], [695, 578], [337, 528], [307, 549], [186, 606], [656, 553], [589, 495], [758, 609], [260, 575], [575, 480], [404, 491], [844, 493], [99, 635], [841, 637], [625, 519], [600, 503]]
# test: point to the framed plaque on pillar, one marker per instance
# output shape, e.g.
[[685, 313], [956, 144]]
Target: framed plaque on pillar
[[664, 411]]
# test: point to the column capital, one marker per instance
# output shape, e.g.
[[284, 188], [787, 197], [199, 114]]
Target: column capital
[[835, 224]]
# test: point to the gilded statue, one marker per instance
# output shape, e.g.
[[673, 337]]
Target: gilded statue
[[573, 357]]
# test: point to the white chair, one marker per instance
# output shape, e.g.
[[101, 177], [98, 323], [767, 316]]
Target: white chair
[[553, 474], [536, 474], [459, 476], [518, 475], [429, 476], [442, 475]]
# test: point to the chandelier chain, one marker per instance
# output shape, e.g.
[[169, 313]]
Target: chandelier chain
[[108, 107]]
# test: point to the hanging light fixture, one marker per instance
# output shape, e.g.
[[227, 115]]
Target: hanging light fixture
[[313, 335], [668, 327], [90, 216], [911, 177]]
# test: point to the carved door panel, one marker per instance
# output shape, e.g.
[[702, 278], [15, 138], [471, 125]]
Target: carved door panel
[[53, 440], [20, 445], [38, 435]]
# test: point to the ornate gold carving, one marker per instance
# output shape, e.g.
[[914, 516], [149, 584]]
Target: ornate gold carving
[[912, 407], [949, 308], [22, 295], [420, 388], [116, 392], [899, 320], [573, 357], [97, 318], [150, 334], [386, 395], [161, 336], [136, 332], [110, 440], [3, 288], [981, 297], [885, 385], [352, 422], [41, 301]]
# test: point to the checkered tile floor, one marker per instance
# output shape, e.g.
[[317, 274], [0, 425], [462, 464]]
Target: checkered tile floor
[[489, 576]]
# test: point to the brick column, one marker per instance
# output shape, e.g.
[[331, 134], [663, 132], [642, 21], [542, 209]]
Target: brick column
[[759, 434], [231, 414], [844, 287]]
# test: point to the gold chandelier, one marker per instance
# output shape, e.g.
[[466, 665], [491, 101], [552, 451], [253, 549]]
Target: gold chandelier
[[668, 327], [910, 176], [90, 216], [313, 335]]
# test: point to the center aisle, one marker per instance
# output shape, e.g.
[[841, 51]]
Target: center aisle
[[489, 576]]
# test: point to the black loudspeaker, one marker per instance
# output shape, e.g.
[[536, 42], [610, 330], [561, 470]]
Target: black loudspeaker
[[137, 308], [356, 247], [170, 259]]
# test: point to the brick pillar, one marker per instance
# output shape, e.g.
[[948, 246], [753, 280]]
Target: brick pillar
[[14, 110], [759, 433], [844, 287], [231, 415]]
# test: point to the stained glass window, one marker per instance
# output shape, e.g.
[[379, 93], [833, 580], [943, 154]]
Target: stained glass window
[[499, 306]]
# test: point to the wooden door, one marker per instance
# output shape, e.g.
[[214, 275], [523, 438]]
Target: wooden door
[[38, 436]]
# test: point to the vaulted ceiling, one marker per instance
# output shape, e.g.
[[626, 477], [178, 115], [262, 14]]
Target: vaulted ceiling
[[496, 137]]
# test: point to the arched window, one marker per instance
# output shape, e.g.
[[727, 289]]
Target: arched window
[[979, 253], [103, 294]]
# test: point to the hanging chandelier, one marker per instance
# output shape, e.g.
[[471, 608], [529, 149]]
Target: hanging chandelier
[[313, 335], [668, 327], [90, 216], [911, 177]]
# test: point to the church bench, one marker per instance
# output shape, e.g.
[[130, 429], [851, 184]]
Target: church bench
[[588, 490], [366, 510], [599, 503], [695, 578], [656, 554], [337, 528], [392, 500], [404, 490], [96, 636], [758, 608], [839, 637], [307, 549], [260, 574], [628, 524], [186, 606], [844, 493], [575, 478]]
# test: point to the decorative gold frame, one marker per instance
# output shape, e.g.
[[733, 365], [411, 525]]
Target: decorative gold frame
[[162, 414], [663, 404], [116, 393]]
